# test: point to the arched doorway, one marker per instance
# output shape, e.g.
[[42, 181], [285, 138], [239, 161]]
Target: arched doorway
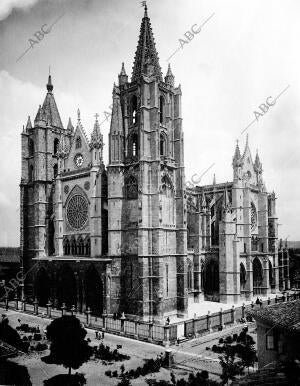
[[257, 276], [42, 287], [67, 289], [243, 276], [211, 277], [93, 291]]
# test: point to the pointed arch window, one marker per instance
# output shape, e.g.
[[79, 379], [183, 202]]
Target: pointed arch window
[[271, 277], [78, 143], [31, 173], [243, 277], [190, 276], [31, 148], [133, 145], [167, 187], [80, 247], [55, 146], [131, 188], [257, 273], [67, 247], [88, 247], [55, 171], [73, 247], [163, 144], [161, 110], [133, 108]]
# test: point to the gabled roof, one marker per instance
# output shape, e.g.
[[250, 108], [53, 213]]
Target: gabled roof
[[283, 315], [146, 51]]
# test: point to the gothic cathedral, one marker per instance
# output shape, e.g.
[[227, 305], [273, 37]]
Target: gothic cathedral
[[130, 236]]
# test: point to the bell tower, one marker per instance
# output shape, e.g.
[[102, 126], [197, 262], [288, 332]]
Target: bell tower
[[147, 227], [40, 144]]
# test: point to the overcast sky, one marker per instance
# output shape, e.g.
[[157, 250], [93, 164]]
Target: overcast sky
[[246, 52]]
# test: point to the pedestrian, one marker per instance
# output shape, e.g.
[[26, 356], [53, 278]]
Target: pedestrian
[[97, 337], [257, 301], [102, 334]]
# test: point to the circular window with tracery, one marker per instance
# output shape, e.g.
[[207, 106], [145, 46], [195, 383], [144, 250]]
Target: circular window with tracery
[[77, 212], [253, 216]]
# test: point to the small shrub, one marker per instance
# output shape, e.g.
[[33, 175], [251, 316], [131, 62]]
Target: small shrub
[[37, 337], [221, 340], [228, 339], [114, 374], [235, 336], [108, 373], [207, 348], [41, 347], [25, 346], [214, 348]]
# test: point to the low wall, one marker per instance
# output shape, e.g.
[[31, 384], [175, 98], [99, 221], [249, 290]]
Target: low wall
[[156, 333]]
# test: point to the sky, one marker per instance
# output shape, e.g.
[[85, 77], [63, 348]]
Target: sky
[[243, 53]]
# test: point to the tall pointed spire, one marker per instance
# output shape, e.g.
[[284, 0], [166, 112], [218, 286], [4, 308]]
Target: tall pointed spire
[[28, 125], [146, 59], [123, 71], [257, 163], [237, 155], [246, 145], [226, 203], [123, 77], [70, 125], [96, 136], [169, 78], [49, 111]]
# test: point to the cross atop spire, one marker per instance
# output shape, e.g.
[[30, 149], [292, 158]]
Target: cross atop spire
[[146, 57]]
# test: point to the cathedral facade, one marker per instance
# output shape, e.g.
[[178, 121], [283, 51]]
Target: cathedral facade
[[129, 236]]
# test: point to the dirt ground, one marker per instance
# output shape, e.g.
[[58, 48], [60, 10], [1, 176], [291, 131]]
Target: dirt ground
[[93, 370]]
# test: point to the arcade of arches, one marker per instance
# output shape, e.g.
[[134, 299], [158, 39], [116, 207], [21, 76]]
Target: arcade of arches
[[78, 288], [210, 277]]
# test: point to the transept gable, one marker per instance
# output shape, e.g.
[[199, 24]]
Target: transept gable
[[79, 156], [248, 172]]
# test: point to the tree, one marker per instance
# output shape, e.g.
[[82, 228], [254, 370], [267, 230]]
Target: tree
[[230, 366], [68, 345], [10, 335], [246, 350]]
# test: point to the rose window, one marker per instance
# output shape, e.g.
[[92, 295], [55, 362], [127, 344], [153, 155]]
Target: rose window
[[77, 212]]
